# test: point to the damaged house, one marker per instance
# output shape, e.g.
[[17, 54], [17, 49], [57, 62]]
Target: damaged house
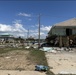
[[63, 33]]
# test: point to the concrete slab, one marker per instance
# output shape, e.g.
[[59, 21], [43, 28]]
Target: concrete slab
[[62, 62]]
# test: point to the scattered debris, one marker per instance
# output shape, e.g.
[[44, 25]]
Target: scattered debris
[[66, 72], [63, 63], [46, 48], [41, 68], [35, 47], [27, 47], [53, 51], [7, 57]]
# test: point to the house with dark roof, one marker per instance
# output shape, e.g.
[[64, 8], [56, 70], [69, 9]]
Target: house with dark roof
[[65, 31]]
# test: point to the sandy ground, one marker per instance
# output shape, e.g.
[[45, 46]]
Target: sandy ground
[[17, 63], [9, 72], [16, 60], [62, 62]]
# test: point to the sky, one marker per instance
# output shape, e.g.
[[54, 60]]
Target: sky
[[19, 17]]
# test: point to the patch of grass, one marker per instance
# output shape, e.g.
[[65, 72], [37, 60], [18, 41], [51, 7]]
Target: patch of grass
[[7, 49], [39, 58]]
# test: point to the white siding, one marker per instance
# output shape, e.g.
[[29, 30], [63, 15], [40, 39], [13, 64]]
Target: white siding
[[62, 31], [59, 31], [74, 31]]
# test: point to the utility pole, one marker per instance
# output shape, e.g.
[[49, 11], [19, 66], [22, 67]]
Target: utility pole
[[28, 34], [39, 33]]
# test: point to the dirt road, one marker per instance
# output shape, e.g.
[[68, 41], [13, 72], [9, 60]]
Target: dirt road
[[16, 60], [64, 62]]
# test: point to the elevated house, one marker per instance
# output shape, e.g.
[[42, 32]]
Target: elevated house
[[65, 32]]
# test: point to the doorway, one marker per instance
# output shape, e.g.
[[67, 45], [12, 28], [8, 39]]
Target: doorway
[[68, 32]]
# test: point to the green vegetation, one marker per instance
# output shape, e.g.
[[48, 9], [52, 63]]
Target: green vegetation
[[5, 50], [39, 58]]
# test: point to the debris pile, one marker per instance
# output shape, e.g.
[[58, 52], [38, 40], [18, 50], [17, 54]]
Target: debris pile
[[56, 49]]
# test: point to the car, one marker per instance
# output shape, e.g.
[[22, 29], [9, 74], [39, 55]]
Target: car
[[45, 45]]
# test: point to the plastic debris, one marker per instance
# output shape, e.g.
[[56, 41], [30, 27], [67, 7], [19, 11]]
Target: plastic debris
[[68, 73], [47, 48], [27, 47], [7, 57], [41, 68], [53, 51]]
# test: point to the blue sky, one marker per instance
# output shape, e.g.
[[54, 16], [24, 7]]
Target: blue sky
[[16, 17]]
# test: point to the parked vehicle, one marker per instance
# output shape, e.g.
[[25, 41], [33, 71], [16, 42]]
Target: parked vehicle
[[45, 45]]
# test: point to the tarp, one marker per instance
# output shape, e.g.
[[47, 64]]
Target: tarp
[[41, 68], [47, 48]]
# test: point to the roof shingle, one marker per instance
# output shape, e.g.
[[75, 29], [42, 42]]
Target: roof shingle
[[70, 22]]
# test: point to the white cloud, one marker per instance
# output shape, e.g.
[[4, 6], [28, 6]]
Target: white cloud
[[43, 31], [4, 27], [37, 25], [25, 14], [19, 27], [15, 29], [35, 34], [17, 21], [45, 28], [34, 31]]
